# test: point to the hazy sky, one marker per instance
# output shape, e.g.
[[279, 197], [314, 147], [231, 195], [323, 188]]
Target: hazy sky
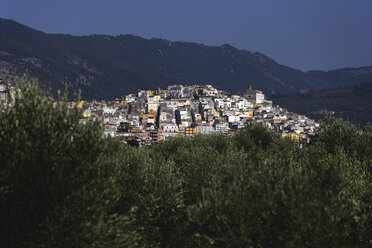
[[304, 34]]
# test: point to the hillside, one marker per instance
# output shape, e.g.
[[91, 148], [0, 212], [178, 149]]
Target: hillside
[[343, 77], [109, 66], [352, 103]]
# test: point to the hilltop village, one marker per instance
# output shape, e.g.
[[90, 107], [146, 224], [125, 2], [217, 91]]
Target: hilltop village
[[154, 115], [180, 110]]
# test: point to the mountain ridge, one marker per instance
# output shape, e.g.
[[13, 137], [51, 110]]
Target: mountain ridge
[[106, 66], [351, 103]]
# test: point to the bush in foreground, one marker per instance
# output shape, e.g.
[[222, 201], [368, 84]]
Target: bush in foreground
[[57, 181], [62, 184]]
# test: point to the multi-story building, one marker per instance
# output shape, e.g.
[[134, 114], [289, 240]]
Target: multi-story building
[[254, 96]]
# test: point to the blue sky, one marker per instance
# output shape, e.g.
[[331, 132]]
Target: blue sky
[[314, 34]]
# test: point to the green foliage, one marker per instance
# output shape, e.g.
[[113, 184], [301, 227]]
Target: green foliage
[[56, 177], [63, 185], [269, 203]]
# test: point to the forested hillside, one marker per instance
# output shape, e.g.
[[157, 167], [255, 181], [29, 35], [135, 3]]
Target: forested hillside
[[63, 185], [351, 103], [106, 66]]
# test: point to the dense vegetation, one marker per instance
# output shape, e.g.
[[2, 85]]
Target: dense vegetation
[[350, 103], [110, 66], [63, 185]]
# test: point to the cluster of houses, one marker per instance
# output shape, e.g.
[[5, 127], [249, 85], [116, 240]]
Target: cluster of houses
[[181, 110]]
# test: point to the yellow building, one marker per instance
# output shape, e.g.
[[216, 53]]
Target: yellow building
[[183, 103], [198, 117], [151, 114], [150, 92], [190, 131]]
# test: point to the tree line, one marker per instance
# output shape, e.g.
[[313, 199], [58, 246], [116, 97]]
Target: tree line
[[62, 184]]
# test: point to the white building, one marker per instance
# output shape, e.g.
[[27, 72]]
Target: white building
[[170, 128], [205, 130], [109, 110], [254, 96]]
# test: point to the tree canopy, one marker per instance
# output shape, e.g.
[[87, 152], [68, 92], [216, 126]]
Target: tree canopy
[[63, 184]]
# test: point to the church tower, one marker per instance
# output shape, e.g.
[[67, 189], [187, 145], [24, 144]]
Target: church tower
[[254, 96]]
